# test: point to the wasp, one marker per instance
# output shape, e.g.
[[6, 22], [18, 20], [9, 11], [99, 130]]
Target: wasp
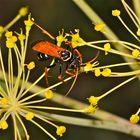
[[72, 59]]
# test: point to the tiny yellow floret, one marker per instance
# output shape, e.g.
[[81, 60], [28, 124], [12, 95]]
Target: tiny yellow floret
[[134, 118], [116, 13], [107, 48], [88, 67], [8, 34], [21, 37], [12, 39], [138, 32], [76, 40], [106, 72], [1, 29], [49, 94], [136, 53], [99, 27], [31, 65], [23, 11], [90, 109], [3, 125], [61, 38], [97, 72], [29, 116], [61, 130], [10, 44], [4, 101], [28, 23], [93, 100]]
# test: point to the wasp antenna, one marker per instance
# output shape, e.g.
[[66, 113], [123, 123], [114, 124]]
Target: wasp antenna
[[76, 75], [43, 30], [92, 60]]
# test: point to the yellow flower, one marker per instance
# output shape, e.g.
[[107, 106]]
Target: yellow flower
[[8, 34], [23, 11], [76, 40], [28, 23], [3, 125], [136, 53], [138, 32], [90, 109], [107, 48], [29, 116], [99, 27], [4, 101], [88, 67], [106, 72], [49, 94], [61, 38], [31, 65], [116, 12], [93, 100], [61, 130], [1, 29], [97, 72], [134, 118]]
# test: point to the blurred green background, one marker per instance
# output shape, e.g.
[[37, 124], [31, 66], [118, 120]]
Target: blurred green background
[[55, 15]]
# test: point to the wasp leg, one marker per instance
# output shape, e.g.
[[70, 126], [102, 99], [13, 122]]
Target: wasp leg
[[78, 54], [73, 83], [60, 70], [46, 71]]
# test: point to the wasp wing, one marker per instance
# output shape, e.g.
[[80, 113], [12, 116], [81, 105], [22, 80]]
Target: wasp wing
[[48, 48]]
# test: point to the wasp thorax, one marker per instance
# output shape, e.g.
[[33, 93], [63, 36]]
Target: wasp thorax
[[65, 55]]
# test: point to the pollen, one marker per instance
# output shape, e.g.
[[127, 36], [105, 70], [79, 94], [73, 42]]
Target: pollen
[[90, 109], [61, 130], [136, 53], [97, 72], [49, 94], [93, 100], [23, 11], [106, 72], [31, 65], [3, 125], [4, 101], [138, 32], [29, 116], [116, 13], [99, 27], [134, 118], [107, 48]]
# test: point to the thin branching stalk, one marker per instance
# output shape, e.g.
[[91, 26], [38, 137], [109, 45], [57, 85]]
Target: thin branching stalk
[[91, 14]]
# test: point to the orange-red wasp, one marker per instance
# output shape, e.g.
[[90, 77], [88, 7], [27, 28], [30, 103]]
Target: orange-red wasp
[[72, 59]]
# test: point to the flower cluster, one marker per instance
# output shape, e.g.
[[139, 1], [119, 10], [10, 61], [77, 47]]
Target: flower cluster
[[130, 50], [15, 100]]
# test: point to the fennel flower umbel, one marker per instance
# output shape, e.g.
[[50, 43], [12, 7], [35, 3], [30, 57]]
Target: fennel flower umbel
[[15, 100]]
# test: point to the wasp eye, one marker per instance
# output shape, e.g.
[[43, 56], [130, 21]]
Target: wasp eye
[[42, 56]]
